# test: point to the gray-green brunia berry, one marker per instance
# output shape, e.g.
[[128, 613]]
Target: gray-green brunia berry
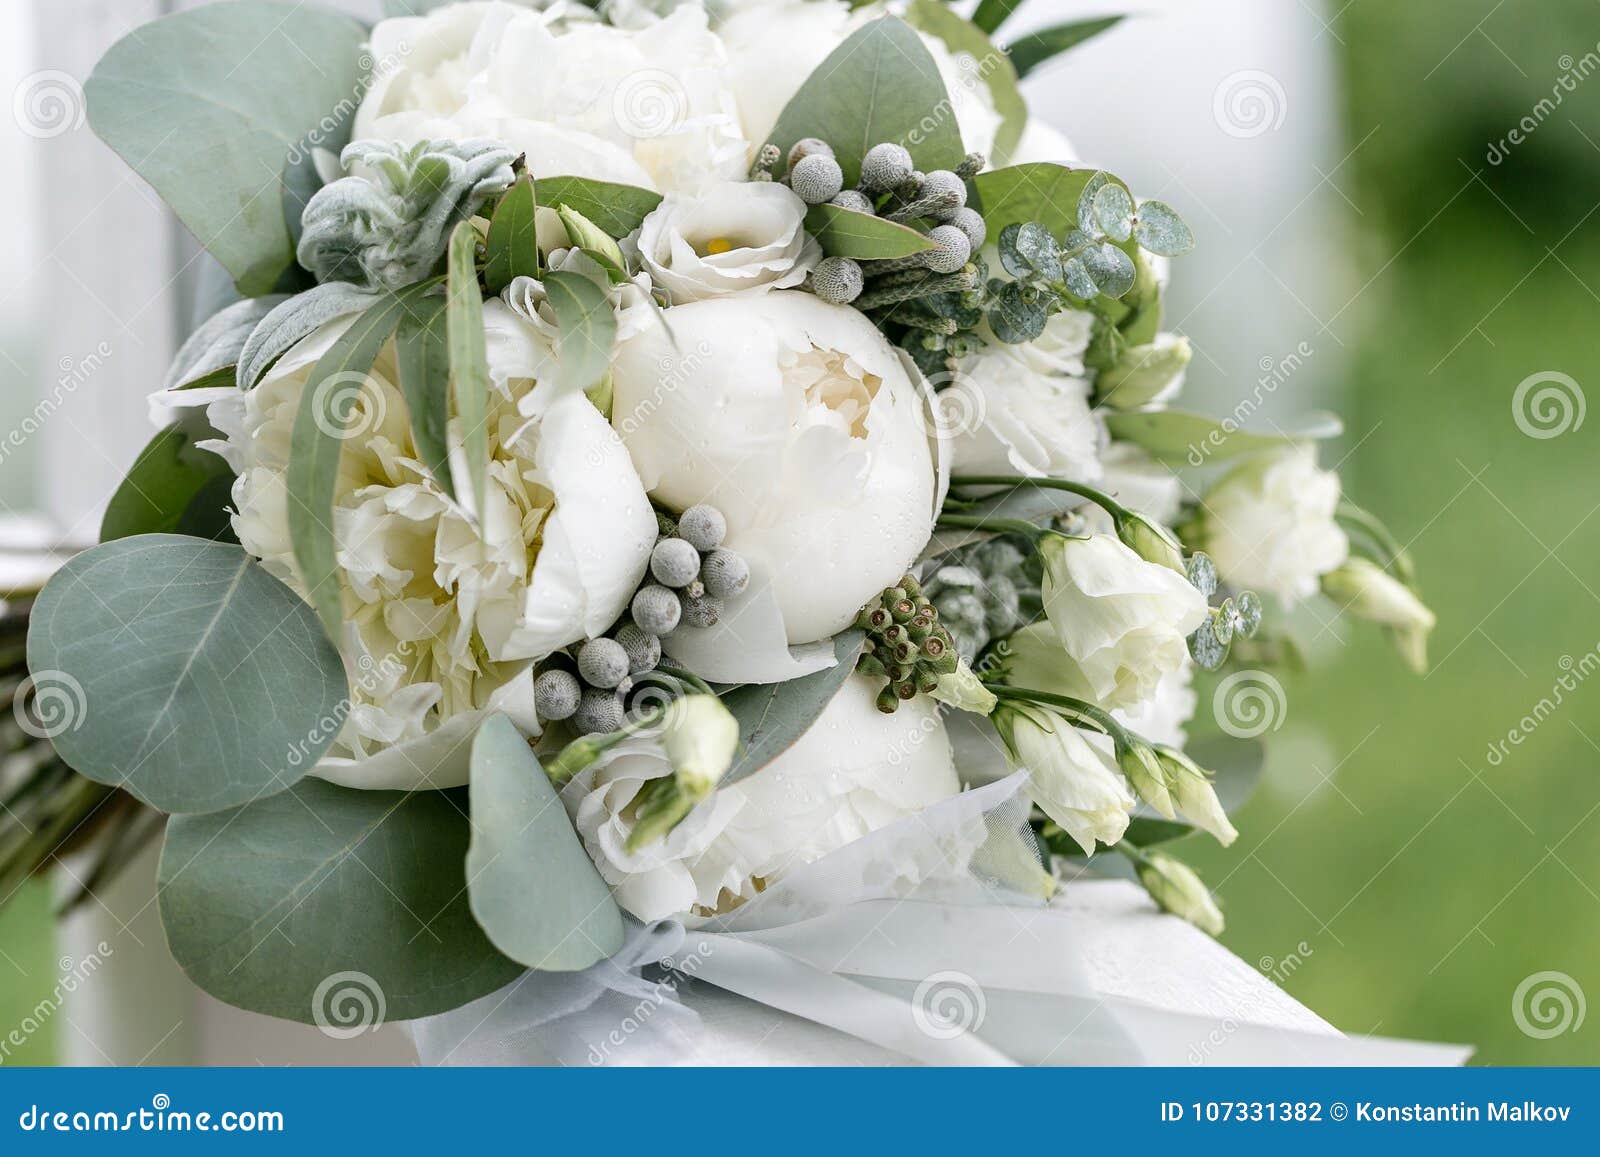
[[851, 199], [837, 280], [808, 147], [885, 167], [657, 610], [556, 694], [603, 663], [816, 179], [970, 222], [703, 527], [725, 574], [943, 185], [643, 648], [950, 249], [674, 562], [702, 612], [598, 711]]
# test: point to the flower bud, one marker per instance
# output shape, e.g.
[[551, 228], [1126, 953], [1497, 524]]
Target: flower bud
[[1139, 763], [1193, 795], [1174, 886], [1367, 591], [1145, 374], [1150, 541], [700, 737]]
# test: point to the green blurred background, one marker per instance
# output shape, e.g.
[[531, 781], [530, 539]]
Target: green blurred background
[[1389, 876]]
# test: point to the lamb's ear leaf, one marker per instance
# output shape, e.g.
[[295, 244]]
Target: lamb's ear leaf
[[181, 671], [773, 715], [217, 142], [1030, 51], [521, 835], [617, 209], [320, 427], [877, 86], [330, 906], [469, 361], [990, 64], [513, 244]]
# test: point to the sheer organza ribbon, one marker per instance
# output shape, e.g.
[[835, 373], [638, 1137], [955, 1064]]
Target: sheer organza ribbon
[[929, 938]]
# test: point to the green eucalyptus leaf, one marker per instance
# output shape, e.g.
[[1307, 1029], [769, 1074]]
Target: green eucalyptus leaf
[[1113, 212], [617, 209], [588, 328], [1202, 573], [213, 106], [320, 427], [1110, 268], [469, 360], [1222, 622], [1161, 230], [990, 64], [422, 356], [846, 233], [1076, 276], [174, 487], [1042, 192], [772, 716], [1250, 611], [533, 888], [322, 893], [990, 14], [1179, 437], [1014, 319], [1030, 51], [513, 243], [1088, 221], [1207, 649], [880, 85], [197, 680]]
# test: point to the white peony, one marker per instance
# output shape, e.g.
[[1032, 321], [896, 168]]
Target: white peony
[[649, 105], [1121, 622], [774, 45], [443, 619], [728, 237], [1269, 524], [809, 432], [1006, 416], [855, 771]]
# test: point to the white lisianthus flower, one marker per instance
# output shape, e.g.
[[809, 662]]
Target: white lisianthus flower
[[649, 105], [1175, 888], [1120, 621], [443, 617], [1269, 524], [1059, 349], [1161, 718], [1071, 781], [774, 46], [726, 238], [798, 421], [855, 771], [1005, 416]]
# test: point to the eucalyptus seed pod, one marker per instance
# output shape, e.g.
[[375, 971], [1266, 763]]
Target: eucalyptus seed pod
[[853, 200], [806, 147], [657, 609], [837, 280], [703, 527], [888, 702], [725, 574], [641, 646]]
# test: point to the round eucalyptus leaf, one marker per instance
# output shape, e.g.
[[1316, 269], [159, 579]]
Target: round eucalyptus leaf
[[1208, 651], [1162, 231], [1014, 319], [292, 905], [1076, 275], [1111, 269], [1087, 220], [1248, 606], [1113, 210], [1222, 622], [1203, 573], [198, 680]]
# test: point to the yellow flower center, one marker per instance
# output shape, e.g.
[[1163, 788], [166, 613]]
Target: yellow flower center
[[718, 245]]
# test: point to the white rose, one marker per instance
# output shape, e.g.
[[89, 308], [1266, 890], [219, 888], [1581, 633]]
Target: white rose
[[799, 422], [1068, 777], [774, 46], [1007, 417], [1122, 622], [442, 619], [728, 237], [648, 106], [856, 770], [1269, 524]]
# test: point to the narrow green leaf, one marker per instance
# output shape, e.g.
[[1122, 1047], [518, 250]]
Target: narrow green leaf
[[772, 716], [533, 888], [1178, 437], [324, 901], [318, 437], [422, 353], [469, 360], [618, 209], [990, 64], [991, 14], [513, 243], [1030, 51], [845, 233], [184, 673], [879, 85], [588, 328]]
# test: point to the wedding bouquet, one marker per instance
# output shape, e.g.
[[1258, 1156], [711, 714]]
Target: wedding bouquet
[[657, 454]]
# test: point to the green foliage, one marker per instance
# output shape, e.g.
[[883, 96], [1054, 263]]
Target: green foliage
[[422, 356], [846, 233], [588, 328], [175, 487], [1030, 51], [218, 143], [513, 245], [469, 358], [772, 716], [193, 679], [617, 209], [266, 905], [992, 65], [1182, 438]]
